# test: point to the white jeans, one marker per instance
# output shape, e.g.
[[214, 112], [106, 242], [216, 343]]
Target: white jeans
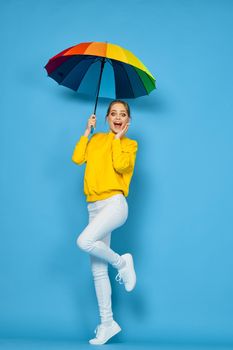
[[104, 216]]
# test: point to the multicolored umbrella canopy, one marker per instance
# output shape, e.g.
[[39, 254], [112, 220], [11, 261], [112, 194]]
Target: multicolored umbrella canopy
[[101, 69]]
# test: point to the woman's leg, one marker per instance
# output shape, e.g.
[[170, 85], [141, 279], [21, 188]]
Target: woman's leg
[[102, 283], [108, 215], [99, 269], [102, 286]]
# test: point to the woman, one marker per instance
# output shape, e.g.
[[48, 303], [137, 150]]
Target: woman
[[110, 159]]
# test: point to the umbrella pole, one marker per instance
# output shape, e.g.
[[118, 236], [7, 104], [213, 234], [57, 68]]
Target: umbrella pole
[[98, 89]]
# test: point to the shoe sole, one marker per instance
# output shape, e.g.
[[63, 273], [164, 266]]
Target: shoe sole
[[103, 342], [131, 266]]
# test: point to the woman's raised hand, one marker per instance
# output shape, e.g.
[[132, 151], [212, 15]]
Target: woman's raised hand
[[122, 132], [91, 122]]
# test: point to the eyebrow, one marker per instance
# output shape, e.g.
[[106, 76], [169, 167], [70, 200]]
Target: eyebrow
[[114, 110]]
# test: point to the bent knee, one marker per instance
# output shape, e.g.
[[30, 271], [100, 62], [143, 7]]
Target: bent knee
[[83, 243]]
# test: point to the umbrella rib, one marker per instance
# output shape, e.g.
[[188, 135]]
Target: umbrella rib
[[142, 81], [109, 60], [88, 58], [94, 61], [128, 79]]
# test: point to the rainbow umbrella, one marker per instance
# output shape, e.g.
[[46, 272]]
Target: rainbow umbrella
[[101, 69]]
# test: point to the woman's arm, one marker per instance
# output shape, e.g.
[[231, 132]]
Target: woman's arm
[[80, 152], [123, 160]]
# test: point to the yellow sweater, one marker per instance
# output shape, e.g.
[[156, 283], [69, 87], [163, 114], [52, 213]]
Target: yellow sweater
[[109, 164]]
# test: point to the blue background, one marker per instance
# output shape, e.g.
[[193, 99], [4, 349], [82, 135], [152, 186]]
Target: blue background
[[180, 223]]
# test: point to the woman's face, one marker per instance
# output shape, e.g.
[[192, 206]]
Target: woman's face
[[117, 117]]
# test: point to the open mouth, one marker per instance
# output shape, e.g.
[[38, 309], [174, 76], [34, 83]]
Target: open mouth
[[117, 124]]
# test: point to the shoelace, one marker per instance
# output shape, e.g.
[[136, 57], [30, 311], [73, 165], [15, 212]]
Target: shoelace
[[118, 278], [97, 330]]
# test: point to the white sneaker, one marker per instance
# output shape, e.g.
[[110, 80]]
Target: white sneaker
[[104, 333], [127, 273]]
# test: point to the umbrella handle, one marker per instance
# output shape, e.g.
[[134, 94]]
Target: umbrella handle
[[92, 127]]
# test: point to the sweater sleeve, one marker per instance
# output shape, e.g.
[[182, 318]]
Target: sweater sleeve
[[80, 152], [123, 160]]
